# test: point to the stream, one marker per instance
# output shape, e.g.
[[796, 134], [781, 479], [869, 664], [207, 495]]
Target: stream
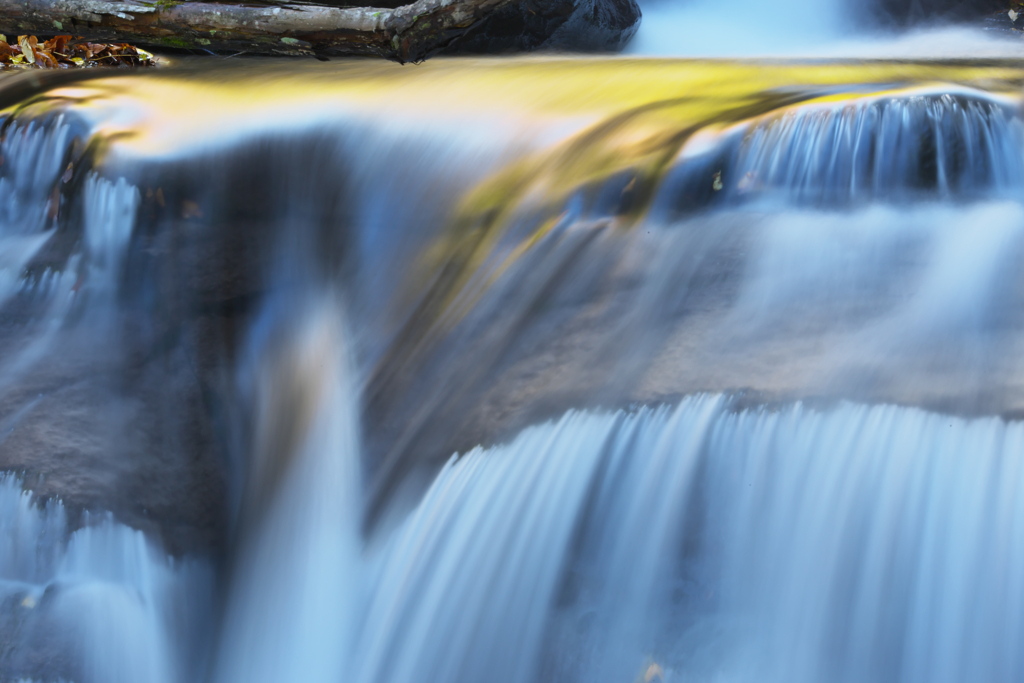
[[671, 366]]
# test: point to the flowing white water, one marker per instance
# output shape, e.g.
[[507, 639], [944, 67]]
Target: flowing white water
[[854, 543], [876, 148], [463, 590], [296, 584], [952, 143], [849, 543], [693, 541], [872, 543], [110, 208], [103, 603], [33, 157]]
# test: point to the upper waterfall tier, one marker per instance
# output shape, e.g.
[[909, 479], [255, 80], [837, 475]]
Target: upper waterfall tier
[[511, 239], [896, 147]]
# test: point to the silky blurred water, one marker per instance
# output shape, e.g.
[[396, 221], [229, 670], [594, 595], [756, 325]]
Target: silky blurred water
[[103, 602], [831, 29], [711, 383], [745, 28]]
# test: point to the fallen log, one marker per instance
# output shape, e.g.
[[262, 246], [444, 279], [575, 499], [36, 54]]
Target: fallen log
[[406, 33]]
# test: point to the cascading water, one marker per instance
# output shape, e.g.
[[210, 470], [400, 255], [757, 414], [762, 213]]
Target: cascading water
[[726, 353], [855, 543], [945, 145], [296, 582], [100, 604]]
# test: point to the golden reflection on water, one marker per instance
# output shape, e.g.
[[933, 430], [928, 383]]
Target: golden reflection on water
[[198, 101]]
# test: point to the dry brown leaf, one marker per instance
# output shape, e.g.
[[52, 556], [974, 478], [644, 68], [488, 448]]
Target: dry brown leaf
[[27, 49]]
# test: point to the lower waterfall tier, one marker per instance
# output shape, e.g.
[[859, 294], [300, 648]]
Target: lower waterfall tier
[[697, 541]]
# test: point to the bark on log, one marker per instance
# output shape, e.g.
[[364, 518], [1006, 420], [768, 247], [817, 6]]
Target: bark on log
[[407, 33]]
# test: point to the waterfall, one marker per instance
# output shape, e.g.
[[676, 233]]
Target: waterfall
[[100, 605], [799, 544], [831, 544], [110, 209], [954, 146], [34, 157], [895, 557], [853, 543], [716, 381], [447, 606], [296, 584], [916, 145]]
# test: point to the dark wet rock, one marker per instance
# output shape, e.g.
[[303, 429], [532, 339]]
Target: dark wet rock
[[587, 25], [914, 11], [127, 434]]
